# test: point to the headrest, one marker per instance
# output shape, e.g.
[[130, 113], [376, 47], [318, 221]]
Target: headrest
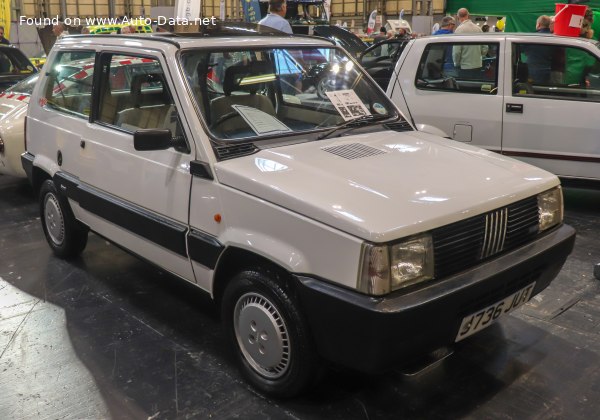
[[150, 78], [235, 74], [154, 80]]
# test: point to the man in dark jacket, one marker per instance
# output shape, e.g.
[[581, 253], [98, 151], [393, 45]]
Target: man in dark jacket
[[2, 39]]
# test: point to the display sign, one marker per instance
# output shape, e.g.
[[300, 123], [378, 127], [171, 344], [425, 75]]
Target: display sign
[[187, 9], [371, 24], [251, 10]]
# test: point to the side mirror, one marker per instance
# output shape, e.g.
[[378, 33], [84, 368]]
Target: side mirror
[[152, 139]]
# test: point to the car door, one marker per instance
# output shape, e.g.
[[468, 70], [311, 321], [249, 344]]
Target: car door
[[465, 105], [138, 199], [549, 116]]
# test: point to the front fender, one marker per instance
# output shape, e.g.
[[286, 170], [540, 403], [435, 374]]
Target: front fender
[[271, 248], [430, 129]]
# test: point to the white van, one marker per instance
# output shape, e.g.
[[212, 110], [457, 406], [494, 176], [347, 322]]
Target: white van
[[530, 96]]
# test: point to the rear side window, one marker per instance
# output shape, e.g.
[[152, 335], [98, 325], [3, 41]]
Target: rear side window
[[556, 71], [68, 86], [462, 67]]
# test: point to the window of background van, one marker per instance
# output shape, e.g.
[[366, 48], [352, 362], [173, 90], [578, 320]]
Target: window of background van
[[555, 71], [69, 83]]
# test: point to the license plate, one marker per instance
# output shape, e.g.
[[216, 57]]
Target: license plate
[[487, 316]]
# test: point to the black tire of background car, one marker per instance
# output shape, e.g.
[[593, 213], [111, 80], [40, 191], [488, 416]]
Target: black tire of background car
[[75, 234], [303, 366]]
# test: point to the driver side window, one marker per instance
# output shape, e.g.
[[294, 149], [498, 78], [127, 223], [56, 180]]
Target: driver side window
[[135, 95]]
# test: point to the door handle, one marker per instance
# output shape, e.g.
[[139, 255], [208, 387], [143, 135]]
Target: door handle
[[515, 108]]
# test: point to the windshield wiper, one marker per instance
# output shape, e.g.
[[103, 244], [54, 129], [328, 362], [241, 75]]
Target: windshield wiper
[[355, 123]]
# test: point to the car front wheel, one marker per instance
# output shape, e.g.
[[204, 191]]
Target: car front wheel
[[271, 339]]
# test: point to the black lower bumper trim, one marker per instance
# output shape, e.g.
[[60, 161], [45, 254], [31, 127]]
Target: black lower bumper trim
[[371, 334]]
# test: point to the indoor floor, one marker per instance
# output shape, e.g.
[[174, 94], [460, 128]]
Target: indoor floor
[[108, 336]]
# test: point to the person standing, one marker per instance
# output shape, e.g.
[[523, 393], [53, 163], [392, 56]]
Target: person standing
[[538, 58], [276, 17], [2, 39], [381, 36], [542, 25], [466, 25], [60, 30], [468, 59], [446, 26]]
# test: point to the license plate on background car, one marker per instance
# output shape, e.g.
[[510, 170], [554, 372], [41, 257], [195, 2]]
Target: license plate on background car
[[485, 317]]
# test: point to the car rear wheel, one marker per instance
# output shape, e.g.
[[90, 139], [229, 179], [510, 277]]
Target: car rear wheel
[[66, 236], [271, 339]]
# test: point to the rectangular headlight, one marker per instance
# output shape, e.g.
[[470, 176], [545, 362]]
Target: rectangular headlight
[[411, 261], [385, 268], [550, 206]]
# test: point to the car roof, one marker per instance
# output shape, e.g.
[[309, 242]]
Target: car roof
[[195, 41], [523, 35]]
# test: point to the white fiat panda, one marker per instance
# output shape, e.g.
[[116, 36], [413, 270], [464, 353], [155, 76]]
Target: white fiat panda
[[274, 174]]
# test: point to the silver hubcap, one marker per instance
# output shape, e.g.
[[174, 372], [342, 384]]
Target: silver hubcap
[[55, 224], [262, 335]]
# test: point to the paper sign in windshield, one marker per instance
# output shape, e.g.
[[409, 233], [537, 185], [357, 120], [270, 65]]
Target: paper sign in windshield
[[262, 124], [348, 104]]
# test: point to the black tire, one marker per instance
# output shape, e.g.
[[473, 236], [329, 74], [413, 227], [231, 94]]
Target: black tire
[[270, 338], [66, 236]]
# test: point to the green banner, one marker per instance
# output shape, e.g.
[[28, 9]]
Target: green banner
[[521, 15], [506, 7]]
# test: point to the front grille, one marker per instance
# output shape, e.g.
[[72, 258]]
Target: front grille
[[463, 244]]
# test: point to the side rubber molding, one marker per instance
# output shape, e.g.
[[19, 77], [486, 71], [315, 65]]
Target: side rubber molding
[[203, 248]]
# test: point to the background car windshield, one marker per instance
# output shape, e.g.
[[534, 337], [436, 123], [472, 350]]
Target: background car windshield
[[25, 86], [276, 92], [13, 61]]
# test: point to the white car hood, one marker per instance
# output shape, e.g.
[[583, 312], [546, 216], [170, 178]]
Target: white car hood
[[407, 183]]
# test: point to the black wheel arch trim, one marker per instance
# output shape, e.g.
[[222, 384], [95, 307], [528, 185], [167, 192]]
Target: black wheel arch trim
[[204, 249], [27, 163]]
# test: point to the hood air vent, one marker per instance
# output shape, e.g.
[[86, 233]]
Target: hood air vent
[[353, 151], [236, 150]]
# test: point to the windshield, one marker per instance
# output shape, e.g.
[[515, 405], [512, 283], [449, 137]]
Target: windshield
[[278, 92], [26, 86]]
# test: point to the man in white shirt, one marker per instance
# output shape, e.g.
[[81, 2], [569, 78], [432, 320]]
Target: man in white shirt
[[468, 59], [276, 17]]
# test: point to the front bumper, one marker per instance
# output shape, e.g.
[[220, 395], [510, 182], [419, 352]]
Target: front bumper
[[371, 334]]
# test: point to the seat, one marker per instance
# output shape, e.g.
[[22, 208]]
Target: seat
[[521, 83], [238, 92], [151, 105]]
